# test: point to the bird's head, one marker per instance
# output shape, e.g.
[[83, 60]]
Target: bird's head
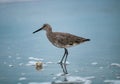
[[46, 27]]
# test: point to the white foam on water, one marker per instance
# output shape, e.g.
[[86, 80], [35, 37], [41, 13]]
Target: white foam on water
[[35, 59], [59, 74], [22, 78], [20, 64], [89, 77], [31, 63], [112, 81], [115, 64], [49, 62], [85, 80], [10, 65], [101, 67], [118, 77], [39, 83], [9, 56], [73, 79], [67, 62], [94, 63]]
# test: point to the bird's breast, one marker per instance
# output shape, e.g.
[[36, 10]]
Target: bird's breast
[[63, 44]]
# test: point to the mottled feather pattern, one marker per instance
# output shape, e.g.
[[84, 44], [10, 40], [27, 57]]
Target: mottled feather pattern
[[66, 39]]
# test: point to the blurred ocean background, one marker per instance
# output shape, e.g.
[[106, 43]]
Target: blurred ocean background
[[93, 62]]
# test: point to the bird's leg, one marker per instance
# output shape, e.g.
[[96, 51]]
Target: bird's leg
[[63, 56], [66, 55]]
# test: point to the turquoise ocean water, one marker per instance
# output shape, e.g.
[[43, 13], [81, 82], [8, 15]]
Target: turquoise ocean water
[[93, 62]]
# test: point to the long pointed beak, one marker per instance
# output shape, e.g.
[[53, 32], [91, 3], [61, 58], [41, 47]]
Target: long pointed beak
[[37, 30]]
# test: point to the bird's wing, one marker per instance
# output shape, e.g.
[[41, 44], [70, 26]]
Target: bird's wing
[[68, 39]]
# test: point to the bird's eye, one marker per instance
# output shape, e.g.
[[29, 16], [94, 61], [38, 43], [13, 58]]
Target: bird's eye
[[44, 25]]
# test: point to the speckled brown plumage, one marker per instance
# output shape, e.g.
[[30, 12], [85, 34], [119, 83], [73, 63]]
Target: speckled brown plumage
[[65, 40], [62, 40]]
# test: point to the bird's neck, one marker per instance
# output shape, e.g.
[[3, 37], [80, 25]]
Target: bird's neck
[[49, 34], [49, 31]]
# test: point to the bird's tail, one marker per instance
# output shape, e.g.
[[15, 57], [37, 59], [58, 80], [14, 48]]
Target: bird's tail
[[86, 40]]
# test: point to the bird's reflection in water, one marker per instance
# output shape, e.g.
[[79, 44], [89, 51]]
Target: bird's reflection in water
[[64, 68], [65, 78], [62, 78]]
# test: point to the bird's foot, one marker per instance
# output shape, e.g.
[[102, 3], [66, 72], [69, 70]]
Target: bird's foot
[[60, 62], [65, 63], [66, 73]]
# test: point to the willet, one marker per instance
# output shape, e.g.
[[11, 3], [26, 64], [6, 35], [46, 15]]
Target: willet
[[62, 40]]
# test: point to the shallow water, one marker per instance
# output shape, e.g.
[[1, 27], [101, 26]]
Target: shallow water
[[94, 62]]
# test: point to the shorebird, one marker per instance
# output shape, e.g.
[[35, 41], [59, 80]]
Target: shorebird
[[62, 40]]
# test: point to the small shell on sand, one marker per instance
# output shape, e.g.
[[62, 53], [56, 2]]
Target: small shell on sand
[[39, 65]]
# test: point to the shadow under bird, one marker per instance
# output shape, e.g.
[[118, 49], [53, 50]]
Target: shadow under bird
[[62, 40]]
